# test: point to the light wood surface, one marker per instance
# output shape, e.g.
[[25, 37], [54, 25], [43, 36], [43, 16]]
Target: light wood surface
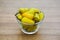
[[49, 30]]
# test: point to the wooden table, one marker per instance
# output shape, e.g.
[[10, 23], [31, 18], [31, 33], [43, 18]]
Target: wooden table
[[49, 30]]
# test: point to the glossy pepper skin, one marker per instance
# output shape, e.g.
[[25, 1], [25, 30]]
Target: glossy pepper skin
[[27, 20]]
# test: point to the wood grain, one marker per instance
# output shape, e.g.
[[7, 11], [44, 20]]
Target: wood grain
[[49, 30]]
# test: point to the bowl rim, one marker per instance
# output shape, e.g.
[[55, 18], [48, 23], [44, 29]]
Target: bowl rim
[[31, 24]]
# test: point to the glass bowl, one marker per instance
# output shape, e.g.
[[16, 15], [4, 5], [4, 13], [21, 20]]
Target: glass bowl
[[28, 28]]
